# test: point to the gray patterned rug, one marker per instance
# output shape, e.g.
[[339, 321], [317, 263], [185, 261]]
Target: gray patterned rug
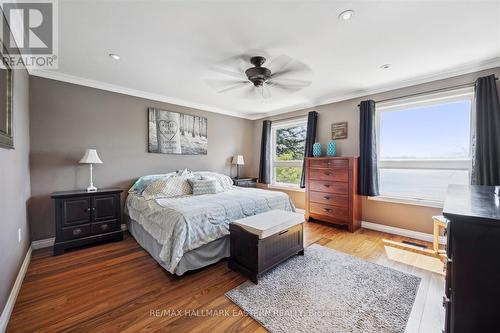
[[329, 291]]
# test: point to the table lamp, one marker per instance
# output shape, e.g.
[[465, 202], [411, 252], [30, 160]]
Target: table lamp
[[238, 160], [90, 158]]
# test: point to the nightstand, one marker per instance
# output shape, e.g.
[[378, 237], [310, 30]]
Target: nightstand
[[84, 218], [245, 182]]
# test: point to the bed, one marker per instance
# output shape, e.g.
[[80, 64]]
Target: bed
[[189, 232]]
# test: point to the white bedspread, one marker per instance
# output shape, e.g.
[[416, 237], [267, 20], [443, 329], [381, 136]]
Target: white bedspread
[[186, 223]]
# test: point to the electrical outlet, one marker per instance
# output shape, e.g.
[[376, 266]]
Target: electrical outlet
[[19, 235]]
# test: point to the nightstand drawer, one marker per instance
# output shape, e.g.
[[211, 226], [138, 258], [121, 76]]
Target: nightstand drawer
[[79, 231], [105, 226]]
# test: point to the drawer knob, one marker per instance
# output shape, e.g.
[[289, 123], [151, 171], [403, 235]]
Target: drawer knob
[[328, 173], [327, 198], [104, 226], [327, 209], [87, 209], [76, 232], [446, 300], [326, 185]]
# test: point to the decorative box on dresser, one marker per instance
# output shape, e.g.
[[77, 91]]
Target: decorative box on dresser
[[84, 218], [331, 191], [472, 288]]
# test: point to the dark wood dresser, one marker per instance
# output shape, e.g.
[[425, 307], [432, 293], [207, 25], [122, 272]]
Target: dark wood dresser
[[472, 290], [331, 191], [86, 217]]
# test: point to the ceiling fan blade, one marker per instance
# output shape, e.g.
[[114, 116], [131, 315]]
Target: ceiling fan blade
[[293, 68], [228, 72], [233, 87], [279, 63], [285, 87], [291, 82], [222, 83]]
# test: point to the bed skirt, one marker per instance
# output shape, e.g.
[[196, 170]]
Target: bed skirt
[[203, 256]]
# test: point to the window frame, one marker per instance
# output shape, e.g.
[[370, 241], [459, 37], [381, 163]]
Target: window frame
[[291, 163], [423, 100]]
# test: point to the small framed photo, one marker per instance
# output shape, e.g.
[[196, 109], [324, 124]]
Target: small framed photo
[[339, 130]]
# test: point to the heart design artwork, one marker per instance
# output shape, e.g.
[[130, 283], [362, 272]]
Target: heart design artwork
[[168, 128]]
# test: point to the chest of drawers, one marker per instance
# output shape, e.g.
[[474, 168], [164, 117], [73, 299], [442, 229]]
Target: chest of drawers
[[331, 191]]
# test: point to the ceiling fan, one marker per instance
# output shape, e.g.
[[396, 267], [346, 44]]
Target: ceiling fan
[[259, 80]]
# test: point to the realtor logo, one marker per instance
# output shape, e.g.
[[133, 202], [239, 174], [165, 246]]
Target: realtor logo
[[31, 28]]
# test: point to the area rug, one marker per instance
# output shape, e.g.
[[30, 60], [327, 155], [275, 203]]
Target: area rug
[[329, 291]]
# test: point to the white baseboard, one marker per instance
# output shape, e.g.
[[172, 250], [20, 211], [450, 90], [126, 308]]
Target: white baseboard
[[11, 301], [42, 243], [402, 232]]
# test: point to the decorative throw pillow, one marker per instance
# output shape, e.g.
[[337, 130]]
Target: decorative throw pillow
[[224, 181], [144, 181], [203, 186], [167, 188]]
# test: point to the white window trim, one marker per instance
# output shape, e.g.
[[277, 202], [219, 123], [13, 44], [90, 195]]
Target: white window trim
[[275, 163], [425, 164]]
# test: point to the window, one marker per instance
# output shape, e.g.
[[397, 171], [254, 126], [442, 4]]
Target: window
[[288, 142], [424, 144]]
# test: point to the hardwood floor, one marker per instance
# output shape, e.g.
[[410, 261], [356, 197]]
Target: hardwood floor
[[118, 287]]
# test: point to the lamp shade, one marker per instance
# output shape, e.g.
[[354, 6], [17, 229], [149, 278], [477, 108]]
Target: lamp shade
[[238, 160], [91, 157]]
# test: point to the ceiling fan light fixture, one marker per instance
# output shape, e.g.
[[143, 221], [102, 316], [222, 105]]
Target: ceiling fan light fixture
[[346, 15]]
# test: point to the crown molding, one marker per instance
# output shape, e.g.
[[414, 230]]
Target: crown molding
[[462, 70], [58, 76]]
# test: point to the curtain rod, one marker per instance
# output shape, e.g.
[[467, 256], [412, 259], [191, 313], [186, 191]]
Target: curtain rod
[[430, 91]]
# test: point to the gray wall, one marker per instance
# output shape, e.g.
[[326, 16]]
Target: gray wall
[[405, 216], [15, 193], [66, 119]]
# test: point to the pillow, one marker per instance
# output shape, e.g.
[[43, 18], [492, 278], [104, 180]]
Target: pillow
[[184, 172], [196, 177], [144, 181], [204, 186], [167, 188], [224, 181]]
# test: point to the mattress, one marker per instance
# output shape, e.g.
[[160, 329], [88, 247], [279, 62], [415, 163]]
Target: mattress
[[183, 224]]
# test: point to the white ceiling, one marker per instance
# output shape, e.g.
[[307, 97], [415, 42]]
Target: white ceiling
[[167, 47]]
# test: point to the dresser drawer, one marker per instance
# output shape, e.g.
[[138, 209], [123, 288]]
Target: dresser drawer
[[76, 232], [329, 199], [330, 187], [338, 213], [337, 175], [328, 164], [102, 227]]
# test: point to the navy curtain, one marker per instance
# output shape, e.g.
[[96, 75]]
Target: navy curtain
[[367, 173], [486, 146], [265, 154], [312, 121]]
